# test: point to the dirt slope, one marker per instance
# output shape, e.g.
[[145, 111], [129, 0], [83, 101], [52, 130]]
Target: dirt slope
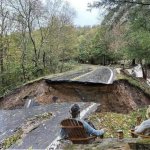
[[118, 97]]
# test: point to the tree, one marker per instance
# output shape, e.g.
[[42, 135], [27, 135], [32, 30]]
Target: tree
[[35, 39], [27, 15], [66, 35], [4, 30], [117, 9], [85, 44], [138, 36], [110, 3], [101, 43], [60, 40]]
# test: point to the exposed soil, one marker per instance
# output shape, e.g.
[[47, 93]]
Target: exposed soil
[[119, 97]]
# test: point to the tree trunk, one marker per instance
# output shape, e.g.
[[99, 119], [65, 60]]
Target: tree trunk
[[104, 62], [1, 62], [44, 59], [62, 65], [133, 62], [144, 70]]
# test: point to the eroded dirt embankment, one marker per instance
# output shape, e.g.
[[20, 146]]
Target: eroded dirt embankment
[[119, 97]]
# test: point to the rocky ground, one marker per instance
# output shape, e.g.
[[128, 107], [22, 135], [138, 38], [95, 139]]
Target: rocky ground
[[105, 144], [110, 144]]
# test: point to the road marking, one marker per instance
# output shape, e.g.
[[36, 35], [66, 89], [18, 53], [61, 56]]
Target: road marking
[[54, 145], [85, 111], [111, 76], [76, 78], [3, 133], [108, 82], [29, 103]]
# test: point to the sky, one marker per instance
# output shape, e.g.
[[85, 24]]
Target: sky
[[84, 17]]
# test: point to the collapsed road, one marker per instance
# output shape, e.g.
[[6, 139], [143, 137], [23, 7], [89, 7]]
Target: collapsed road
[[94, 74], [55, 94], [47, 90], [44, 135]]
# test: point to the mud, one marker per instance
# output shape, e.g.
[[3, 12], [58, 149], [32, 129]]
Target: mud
[[118, 97]]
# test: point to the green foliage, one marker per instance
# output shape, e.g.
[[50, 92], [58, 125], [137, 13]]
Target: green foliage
[[135, 82], [138, 35], [138, 45], [105, 45], [41, 117], [128, 30], [95, 46], [45, 43], [30, 148], [12, 139], [33, 50], [114, 121], [86, 46], [110, 3]]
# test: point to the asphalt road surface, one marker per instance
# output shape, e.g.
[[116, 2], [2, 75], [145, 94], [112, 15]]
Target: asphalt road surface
[[97, 74], [47, 132], [41, 137]]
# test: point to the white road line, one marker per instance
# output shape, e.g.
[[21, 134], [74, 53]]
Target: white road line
[[85, 111], [3, 133], [76, 78], [29, 103], [111, 76], [54, 145]]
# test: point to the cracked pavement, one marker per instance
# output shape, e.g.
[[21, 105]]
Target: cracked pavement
[[42, 136]]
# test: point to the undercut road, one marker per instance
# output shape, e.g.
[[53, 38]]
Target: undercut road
[[46, 134], [93, 74]]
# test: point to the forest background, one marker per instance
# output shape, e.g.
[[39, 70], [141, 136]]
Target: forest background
[[38, 39]]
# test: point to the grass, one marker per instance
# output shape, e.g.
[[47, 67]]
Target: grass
[[143, 141], [135, 82], [41, 117], [115, 121], [11, 140]]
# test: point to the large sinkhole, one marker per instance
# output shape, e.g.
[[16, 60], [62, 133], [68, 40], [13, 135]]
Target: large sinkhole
[[120, 97]]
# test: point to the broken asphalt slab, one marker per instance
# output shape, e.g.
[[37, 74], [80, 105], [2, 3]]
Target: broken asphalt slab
[[45, 133], [98, 74]]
